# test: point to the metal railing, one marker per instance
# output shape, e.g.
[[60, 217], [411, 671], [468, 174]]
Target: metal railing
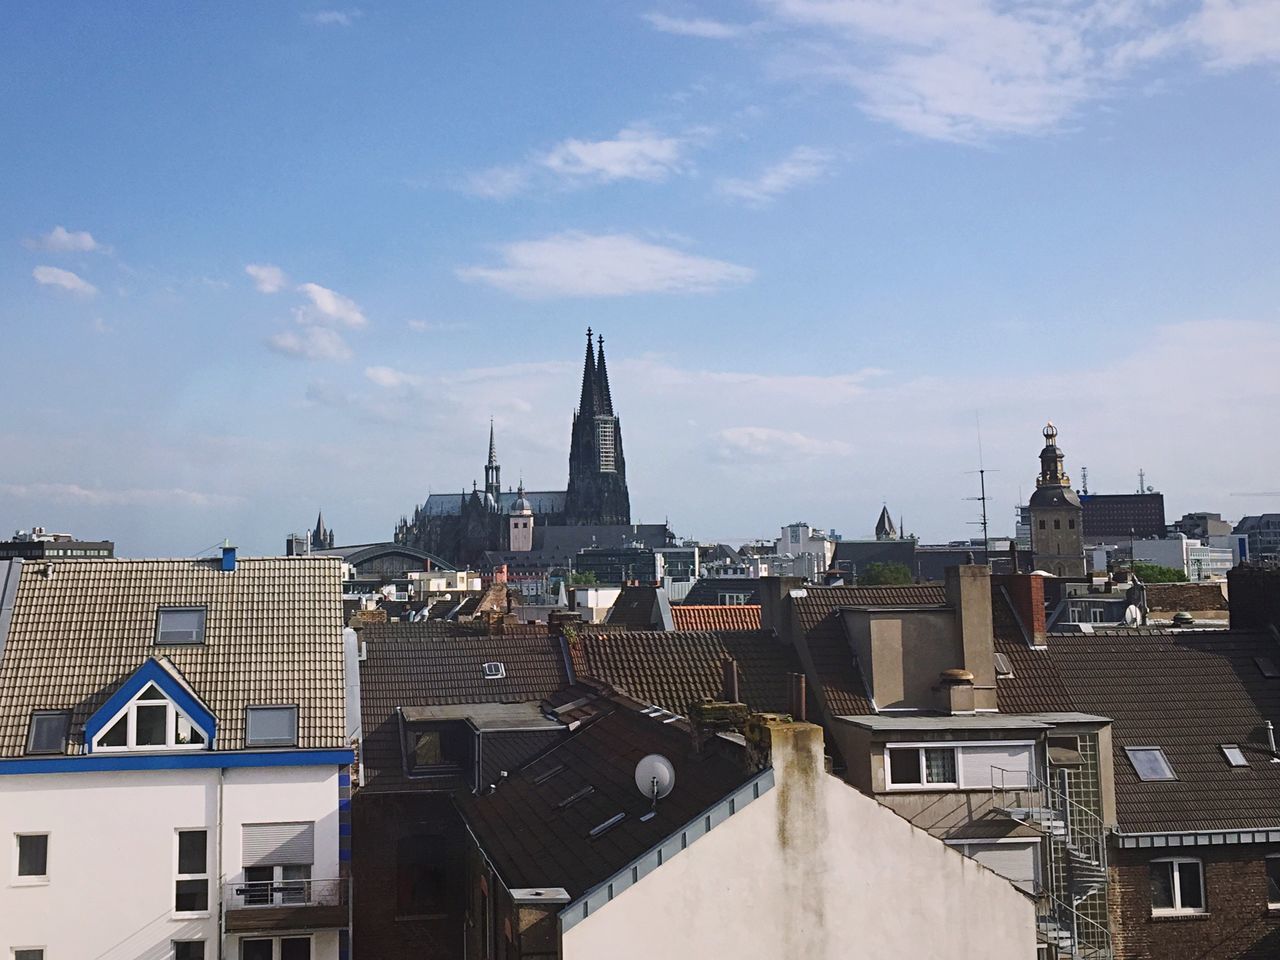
[[248, 894]]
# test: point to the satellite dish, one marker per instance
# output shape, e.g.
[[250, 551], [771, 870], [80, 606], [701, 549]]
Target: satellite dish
[[655, 777], [1133, 615]]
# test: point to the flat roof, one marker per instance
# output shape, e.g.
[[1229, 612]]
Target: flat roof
[[487, 716], [887, 722]]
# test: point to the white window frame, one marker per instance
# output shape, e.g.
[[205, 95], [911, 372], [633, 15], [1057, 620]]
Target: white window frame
[[200, 940], [958, 746], [177, 876], [30, 879], [42, 950], [1272, 904], [130, 710], [1177, 910], [924, 783], [275, 943]]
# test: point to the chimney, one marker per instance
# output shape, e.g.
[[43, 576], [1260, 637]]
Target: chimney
[[1026, 593], [228, 557], [729, 683], [1253, 592], [969, 594], [775, 604], [796, 690], [958, 695]]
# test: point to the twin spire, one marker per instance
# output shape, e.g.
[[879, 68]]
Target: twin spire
[[596, 399]]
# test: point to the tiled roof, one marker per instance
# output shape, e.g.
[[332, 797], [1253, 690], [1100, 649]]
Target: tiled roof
[[1187, 693], [708, 589], [432, 663], [907, 595], [638, 607], [1035, 686], [273, 635], [674, 669], [1172, 597], [534, 842], [699, 617]]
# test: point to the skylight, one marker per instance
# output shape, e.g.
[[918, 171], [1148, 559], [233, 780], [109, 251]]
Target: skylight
[[1233, 755], [1150, 763], [494, 671], [180, 625], [1267, 666]]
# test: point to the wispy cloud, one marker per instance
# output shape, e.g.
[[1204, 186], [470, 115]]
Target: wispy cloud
[[311, 343], [497, 183], [576, 264], [436, 326], [802, 165], [103, 497], [267, 278], [329, 307], [698, 27], [65, 279], [62, 240], [391, 378], [334, 18], [1237, 33], [769, 443]]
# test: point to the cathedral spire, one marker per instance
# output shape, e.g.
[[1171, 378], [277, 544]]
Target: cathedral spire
[[492, 473], [493, 450], [587, 405], [602, 377]]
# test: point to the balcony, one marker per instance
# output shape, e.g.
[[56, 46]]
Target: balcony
[[274, 905]]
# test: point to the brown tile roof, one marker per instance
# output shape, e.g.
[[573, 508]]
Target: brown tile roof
[[1172, 597], [674, 669], [1187, 693], [434, 663], [1035, 686], [699, 617], [273, 635], [533, 842]]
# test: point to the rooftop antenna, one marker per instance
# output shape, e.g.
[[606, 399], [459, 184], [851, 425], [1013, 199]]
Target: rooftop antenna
[[1142, 480], [655, 779], [1084, 480], [982, 498]]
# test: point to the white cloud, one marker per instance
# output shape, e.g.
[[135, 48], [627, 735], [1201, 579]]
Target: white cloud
[[329, 307], [99, 497], [633, 154], [706, 29], [311, 343], [436, 326], [1237, 33], [576, 264], [391, 378], [267, 278], [335, 18], [497, 183], [802, 165], [770, 443], [57, 277], [62, 240]]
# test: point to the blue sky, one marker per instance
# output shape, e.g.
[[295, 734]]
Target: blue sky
[[256, 259]]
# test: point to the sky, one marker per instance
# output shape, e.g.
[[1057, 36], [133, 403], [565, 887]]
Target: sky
[[259, 260]]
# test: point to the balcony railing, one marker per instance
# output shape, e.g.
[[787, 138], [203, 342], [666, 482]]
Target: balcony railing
[[285, 904]]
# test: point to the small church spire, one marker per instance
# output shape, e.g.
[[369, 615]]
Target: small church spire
[[492, 472]]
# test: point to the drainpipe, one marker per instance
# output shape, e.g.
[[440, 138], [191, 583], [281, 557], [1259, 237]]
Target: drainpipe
[[222, 909]]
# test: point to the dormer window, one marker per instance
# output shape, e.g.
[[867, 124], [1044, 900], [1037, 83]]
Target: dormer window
[[150, 721]]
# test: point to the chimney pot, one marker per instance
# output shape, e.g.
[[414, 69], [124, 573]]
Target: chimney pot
[[729, 685]]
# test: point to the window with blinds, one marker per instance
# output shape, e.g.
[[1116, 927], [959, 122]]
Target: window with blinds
[[273, 844]]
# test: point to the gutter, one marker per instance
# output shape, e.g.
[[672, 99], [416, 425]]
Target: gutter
[[1195, 838]]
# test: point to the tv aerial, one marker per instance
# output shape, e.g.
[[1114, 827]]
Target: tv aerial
[[655, 779]]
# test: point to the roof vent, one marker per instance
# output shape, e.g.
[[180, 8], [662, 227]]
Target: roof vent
[[494, 671], [1267, 667], [601, 829], [574, 797], [1003, 667]]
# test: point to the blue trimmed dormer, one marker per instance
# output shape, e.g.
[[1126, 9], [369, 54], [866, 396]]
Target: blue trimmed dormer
[[154, 710]]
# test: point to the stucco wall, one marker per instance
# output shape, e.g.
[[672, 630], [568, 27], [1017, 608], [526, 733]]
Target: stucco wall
[[812, 869], [112, 853]]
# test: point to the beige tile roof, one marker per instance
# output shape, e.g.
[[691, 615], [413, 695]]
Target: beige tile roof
[[273, 635]]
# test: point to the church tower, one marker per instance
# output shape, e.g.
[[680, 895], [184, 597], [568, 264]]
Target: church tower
[[321, 537], [492, 474], [1057, 534], [597, 491], [520, 524]]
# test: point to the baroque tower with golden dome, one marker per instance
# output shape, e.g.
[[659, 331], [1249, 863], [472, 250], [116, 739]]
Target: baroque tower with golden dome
[[1057, 534]]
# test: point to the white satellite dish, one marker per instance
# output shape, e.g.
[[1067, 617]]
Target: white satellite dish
[[655, 777], [1133, 615]]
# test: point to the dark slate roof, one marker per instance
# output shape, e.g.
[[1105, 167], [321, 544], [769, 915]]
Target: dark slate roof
[[273, 635], [1035, 686], [450, 504], [858, 553], [428, 663], [675, 669], [713, 617], [637, 608], [708, 589], [534, 843], [1187, 693]]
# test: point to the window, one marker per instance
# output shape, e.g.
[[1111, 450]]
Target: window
[[271, 726], [275, 948], [48, 731], [282, 884], [439, 749], [1057, 524], [33, 857], [277, 861], [1234, 755], [1003, 667], [191, 887], [187, 949], [151, 721], [1177, 886], [179, 625], [734, 599], [1150, 763], [494, 671], [28, 953], [1071, 523], [1273, 882], [922, 766], [1041, 524]]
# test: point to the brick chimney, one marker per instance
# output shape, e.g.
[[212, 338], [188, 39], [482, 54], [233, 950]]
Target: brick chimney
[[1026, 592]]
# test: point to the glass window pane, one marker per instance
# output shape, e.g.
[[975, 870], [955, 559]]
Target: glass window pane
[[192, 852], [258, 882], [940, 765], [33, 856], [150, 723], [1273, 879], [29, 954], [1150, 763], [295, 948], [180, 626], [191, 895], [118, 735], [426, 749], [255, 950], [151, 693], [48, 732], [904, 766], [1189, 888], [188, 949], [186, 732], [1162, 886], [272, 726]]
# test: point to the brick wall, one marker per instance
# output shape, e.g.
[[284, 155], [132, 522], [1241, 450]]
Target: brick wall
[[1027, 595], [1237, 926]]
